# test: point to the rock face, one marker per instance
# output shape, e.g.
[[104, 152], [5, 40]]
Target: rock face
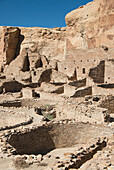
[[9, 43], [92, 25], [21, 63]]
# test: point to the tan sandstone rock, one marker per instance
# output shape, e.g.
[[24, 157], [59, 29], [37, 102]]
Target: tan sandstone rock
[[92, 25]]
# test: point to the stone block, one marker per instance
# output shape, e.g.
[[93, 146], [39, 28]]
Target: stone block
[[69, 90], [28, 93]]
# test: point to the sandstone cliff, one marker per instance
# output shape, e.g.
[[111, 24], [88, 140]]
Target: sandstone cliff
[[92, 25]]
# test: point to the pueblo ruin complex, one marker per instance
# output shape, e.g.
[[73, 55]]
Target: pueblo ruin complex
[[57, 93]]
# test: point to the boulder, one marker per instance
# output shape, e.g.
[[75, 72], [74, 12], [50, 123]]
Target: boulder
[[34, 60], [24, 77], [53, 64]]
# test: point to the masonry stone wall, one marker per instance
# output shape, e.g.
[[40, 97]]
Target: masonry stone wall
[[81, 92], [97, 73], [28, 92], [78, 83], [81, 61], [108, 103], [96, 90], [109, 71]]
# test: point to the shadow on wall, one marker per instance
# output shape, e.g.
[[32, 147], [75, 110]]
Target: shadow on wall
[[106, 85], [78, 83], [45, 76], [97, 73], [12, 86], [111, 119], [108, 103], [26, 64], [20, 40]]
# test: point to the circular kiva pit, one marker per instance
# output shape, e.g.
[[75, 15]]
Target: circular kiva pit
[[43, 139]]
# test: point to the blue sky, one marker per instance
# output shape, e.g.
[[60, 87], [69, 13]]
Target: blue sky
[[41, 13]]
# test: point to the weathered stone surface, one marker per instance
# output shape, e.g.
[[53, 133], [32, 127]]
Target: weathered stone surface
[[108, 102], [45, 61], [53, 64], [58, 77], [9, 43], [68, 67], [28, 92], [69, 90], [50, 133], [21, 63], [34, 60], [41, 75], [97, 73], [99, 90], [50, 88], [92, 25], [109, 70], [81, 61], [50, 96], [24, 77], [14, 119], [45, 42], [81, 92]]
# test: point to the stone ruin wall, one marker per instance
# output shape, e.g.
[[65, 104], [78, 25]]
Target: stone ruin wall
[[108, 103], [80, 61], [109, 71]]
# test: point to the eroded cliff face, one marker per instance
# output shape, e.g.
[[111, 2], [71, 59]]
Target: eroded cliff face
[[9, 43], [37, 42], [92, 25]]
